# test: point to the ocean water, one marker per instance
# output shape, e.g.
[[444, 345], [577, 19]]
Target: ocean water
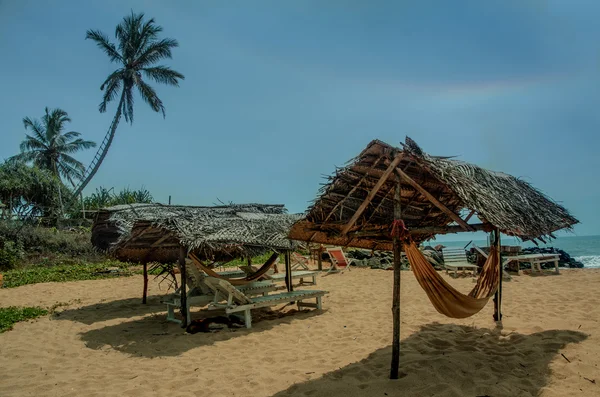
[[585, 249]]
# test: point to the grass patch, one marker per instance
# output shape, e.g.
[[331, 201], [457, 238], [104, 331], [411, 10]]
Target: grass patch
[[60, 273], [11, 315]]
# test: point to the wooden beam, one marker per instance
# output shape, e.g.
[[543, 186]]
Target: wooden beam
[[160, 240], [423, 230], [138, 234], [372, 193], [396, 291], [434, 201], [380, 204], [470, 215], [365, 176]]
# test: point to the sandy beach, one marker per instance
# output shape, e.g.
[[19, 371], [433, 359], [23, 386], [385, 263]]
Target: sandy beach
[[102, 342]]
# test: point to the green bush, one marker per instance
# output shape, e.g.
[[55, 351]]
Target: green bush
[[11, 254], [11, 315], [47, 246]]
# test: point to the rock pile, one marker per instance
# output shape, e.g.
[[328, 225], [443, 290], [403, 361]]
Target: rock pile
[[385, 259]]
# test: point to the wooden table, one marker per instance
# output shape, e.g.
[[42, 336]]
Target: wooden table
[[535, 259]]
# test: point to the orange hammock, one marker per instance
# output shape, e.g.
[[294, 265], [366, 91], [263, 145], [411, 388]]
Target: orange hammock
[[236, 281], [445, 298]]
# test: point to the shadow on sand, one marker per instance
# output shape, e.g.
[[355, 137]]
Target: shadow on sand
[[110, 310], [152, 336], [449, 360]]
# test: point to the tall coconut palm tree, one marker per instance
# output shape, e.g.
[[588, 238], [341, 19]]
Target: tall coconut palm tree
[[50, 148], [137, 51]]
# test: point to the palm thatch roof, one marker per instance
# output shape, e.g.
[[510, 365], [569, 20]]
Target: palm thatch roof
[[155, 232], [356, 206]]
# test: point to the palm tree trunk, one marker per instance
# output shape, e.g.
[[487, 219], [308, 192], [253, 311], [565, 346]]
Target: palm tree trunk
[[103, 149]]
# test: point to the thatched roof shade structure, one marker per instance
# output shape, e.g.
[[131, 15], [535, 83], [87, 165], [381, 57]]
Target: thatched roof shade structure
[[388, 195], [356, 206], [155, 232]]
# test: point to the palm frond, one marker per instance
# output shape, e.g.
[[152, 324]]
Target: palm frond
[[71, 172], [32, 143], [69, 136], [128, 105], [37, 128], [77, 145], [150, 97], [156, 51], [104, 44], [71, 161], [164, 75], [128, 35], [24, 157], [149, 33], [112, 85]]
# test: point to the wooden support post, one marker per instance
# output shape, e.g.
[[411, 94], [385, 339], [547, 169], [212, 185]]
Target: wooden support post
[[288, 271], [182, 271], [145, 294], [320, 257], [498, 295], [372, 193], [396, 297]]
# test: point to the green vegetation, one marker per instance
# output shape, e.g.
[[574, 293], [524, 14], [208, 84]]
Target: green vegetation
[[11, 315], [72, 272], [22, 244], [27, 192]]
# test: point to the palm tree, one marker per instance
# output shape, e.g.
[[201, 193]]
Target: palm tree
[[50, 148], [137, 51]]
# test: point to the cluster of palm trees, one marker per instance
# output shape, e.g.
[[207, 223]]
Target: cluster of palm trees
[[137, 51]]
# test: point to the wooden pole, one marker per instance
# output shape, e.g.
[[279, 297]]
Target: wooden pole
[[396, 297], [182, 271], [145, 294], [288, 272], [320, 257], [498, 295]]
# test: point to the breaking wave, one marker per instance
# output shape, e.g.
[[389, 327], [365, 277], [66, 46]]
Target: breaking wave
[[589, 261]]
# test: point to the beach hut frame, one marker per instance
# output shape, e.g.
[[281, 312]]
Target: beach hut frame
[[369, 202], [168, 234]]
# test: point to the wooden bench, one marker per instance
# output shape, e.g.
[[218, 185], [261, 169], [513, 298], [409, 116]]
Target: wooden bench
[[535, 260]]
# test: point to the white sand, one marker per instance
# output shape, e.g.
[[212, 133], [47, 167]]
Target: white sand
[[105, 343]]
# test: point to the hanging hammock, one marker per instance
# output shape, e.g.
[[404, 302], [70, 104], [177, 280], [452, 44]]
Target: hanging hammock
[[235, 281], [445, 298]]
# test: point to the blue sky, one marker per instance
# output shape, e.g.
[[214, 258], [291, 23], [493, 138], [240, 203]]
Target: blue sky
[[278, 93]]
